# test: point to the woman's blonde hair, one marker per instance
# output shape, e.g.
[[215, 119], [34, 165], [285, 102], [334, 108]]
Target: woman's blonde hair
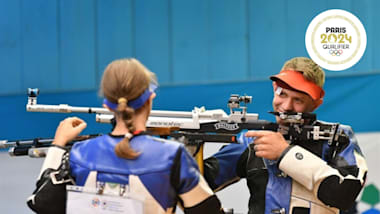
[[124, 80]]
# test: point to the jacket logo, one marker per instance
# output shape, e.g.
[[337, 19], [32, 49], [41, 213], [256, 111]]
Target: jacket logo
[[226, 126]]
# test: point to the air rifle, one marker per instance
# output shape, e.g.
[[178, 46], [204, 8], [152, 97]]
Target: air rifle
[[199, 126], [299, 128]]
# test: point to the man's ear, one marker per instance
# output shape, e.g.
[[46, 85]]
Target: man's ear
[[317, 103], [274, 84]]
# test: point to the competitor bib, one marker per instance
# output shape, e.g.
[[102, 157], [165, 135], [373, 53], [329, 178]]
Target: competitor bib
[[88, 200]]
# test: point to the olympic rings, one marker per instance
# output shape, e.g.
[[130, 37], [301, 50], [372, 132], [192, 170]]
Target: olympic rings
[[336, 52]]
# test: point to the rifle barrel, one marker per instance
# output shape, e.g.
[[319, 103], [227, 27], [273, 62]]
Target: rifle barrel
[[63, 108]]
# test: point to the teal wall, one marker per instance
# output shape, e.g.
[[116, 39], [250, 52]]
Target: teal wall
[[201, 50]]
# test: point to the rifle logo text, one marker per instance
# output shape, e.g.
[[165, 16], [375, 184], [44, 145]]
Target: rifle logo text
[[226, 126]]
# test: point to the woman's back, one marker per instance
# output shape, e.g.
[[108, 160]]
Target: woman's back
[[161, 172]]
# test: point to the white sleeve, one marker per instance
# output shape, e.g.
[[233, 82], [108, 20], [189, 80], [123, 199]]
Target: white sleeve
[[53, 159]]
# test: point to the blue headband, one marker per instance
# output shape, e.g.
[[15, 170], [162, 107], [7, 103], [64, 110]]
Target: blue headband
[[136, 103]]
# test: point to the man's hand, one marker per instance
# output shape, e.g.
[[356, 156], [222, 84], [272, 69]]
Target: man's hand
[[68, 129], [268, 144]]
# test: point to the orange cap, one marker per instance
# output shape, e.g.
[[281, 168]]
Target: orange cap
[[297, 81]]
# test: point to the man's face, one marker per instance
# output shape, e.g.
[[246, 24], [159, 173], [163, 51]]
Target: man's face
[[292, 101]]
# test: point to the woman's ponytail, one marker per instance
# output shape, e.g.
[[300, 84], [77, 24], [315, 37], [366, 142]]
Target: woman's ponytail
[[123, 148]]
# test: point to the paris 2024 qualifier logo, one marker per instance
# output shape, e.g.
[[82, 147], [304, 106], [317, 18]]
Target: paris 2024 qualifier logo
[[336, 40]]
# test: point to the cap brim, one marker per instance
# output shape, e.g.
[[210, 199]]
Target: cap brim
[[297, 81]]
